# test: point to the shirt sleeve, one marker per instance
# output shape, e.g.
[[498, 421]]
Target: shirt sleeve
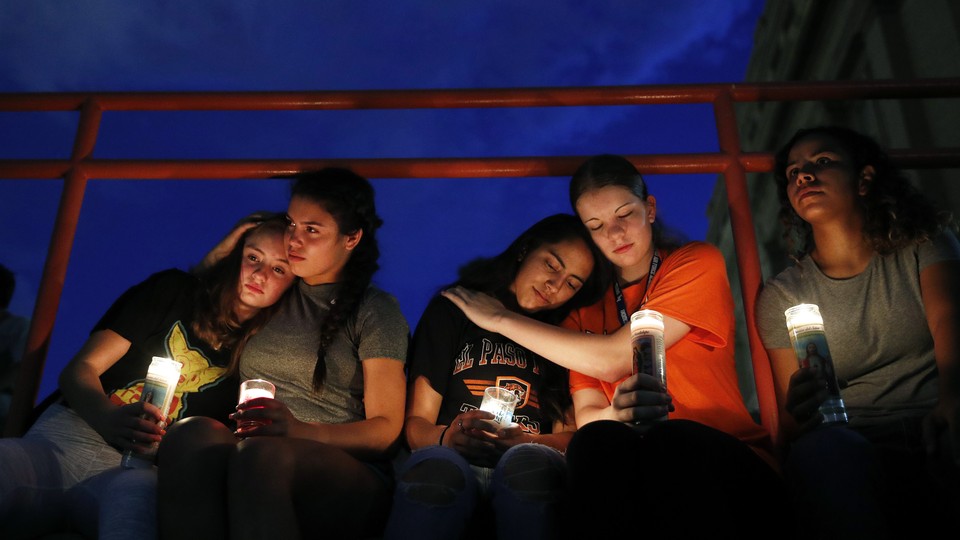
[[382, 327], [129, 316], [436, 342], [943, 247], [771, 322], [693, 288]]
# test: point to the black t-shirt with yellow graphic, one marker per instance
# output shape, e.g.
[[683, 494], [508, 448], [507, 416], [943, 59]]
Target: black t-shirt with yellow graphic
[[460, 360], [155, 316]]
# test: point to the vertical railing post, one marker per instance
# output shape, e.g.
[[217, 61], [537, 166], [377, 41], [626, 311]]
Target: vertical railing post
[[54, 274], [748, 259]]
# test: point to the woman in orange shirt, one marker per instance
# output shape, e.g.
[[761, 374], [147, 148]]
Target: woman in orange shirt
[[708, 468]]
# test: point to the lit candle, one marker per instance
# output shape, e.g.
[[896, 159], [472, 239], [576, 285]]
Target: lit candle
[[501, 403], [159, 387], [646, 336], [252, 389], [805, 325], [256, 388]]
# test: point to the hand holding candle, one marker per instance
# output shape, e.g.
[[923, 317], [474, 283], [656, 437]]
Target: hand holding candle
[[253, 389], [809, 340], [649, 356], [500, 402], [159, 387]]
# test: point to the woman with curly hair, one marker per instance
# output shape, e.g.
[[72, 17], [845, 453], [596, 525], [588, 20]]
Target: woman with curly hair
[[318, 463], [882, 264]]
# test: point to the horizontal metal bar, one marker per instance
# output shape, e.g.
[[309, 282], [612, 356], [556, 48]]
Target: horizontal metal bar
[[484, 98], [520, 167]]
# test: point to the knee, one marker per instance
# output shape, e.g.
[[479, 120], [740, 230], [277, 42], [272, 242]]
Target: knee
[[27, 463], [193, 434], [436, 481], [260, 452], [595, 442], [532, 471], [130, 493], [261, 461], [134, 481], [836, 448], [196, 428]]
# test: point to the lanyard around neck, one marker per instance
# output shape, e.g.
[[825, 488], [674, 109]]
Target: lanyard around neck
[[618, 292]]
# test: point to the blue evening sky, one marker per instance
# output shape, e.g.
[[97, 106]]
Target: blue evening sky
[[131, 228]]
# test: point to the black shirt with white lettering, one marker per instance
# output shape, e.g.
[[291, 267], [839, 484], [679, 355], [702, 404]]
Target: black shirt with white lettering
[[460, 360]]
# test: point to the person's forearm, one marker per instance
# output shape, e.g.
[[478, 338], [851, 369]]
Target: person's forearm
[[83, 391], [366, 439], [607, 358], [940, 289], [420, 433]]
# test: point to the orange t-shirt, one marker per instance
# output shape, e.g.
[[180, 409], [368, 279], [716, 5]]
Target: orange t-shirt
[[690, 286]]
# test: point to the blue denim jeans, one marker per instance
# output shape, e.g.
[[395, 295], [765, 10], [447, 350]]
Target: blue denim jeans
[[833, 474], [438, 492], [115, 505], [36, 471], [870, 481]]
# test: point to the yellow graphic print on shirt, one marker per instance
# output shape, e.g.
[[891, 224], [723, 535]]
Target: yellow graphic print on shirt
[[196, 372]]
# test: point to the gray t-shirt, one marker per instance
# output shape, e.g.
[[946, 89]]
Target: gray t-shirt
[[285, 352], [875, 324]]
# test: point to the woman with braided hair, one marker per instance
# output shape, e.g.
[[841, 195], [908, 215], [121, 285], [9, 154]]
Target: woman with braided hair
[[335, 351]]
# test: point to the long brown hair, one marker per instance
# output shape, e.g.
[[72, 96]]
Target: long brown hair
[[214, 318]]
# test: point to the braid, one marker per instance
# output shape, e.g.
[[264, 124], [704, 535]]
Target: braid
[[349, 198], [358, 273]]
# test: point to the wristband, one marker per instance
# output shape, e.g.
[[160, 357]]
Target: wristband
[[442, 433]]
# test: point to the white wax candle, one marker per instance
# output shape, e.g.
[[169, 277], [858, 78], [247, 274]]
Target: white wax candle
[[803, 315]]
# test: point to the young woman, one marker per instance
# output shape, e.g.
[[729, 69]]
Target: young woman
[[708, 467], [460, 460], [202, 321], [882, 264], [319, 463]]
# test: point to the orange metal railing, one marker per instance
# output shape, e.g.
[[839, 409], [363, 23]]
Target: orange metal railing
[[731, 161]]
